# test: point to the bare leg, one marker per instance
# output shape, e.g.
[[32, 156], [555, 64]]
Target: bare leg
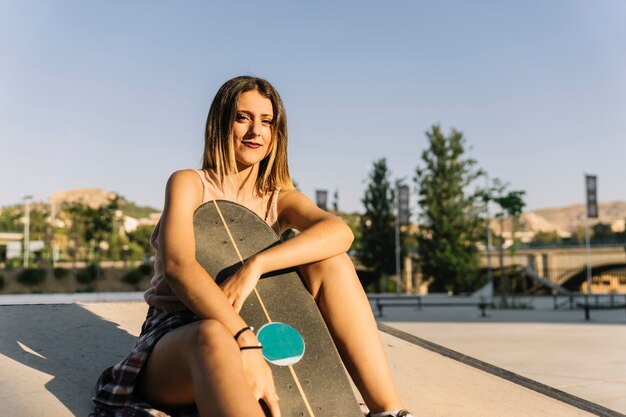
[[199, 362], [340, 297]]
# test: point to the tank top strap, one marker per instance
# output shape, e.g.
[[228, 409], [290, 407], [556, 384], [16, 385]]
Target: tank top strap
[[271, 216], [205, 185]]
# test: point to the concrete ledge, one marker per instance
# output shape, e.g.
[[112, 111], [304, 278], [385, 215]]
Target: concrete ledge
[[63, 298]]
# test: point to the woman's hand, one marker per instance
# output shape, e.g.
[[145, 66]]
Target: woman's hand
[[239, 286], [259, 376]]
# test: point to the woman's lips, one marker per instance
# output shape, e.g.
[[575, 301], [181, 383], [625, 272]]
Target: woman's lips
[[252, 144]]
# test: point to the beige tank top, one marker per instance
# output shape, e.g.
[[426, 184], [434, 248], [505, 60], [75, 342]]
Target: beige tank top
[[160, 294]]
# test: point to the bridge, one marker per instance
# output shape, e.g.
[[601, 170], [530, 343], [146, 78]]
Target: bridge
[[567, 266]]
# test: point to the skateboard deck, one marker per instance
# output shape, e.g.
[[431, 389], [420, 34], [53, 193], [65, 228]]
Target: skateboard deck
[[317, 385]]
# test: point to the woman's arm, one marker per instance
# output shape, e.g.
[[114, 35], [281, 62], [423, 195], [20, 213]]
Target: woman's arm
[[193, 285], [321, 236], [185, 276]]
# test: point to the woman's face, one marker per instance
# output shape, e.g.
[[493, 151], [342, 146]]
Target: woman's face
[[252, 129]]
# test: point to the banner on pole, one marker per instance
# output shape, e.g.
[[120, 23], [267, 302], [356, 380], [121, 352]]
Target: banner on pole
[[321, 197], [403, 205], [591, 185]]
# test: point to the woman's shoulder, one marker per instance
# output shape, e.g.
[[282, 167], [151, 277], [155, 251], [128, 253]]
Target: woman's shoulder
[[292, 194], [185, 174], [185, 177], [293, 198], [187, 181]]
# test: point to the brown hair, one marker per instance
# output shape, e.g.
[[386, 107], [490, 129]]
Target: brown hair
[[219, 155]]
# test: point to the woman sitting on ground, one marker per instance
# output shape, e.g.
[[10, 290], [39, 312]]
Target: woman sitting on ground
[[187, 360]]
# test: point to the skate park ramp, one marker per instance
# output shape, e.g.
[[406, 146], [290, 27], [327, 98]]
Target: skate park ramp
[[52, 354]]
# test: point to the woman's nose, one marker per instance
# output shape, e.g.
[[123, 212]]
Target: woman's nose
[[256, 128]]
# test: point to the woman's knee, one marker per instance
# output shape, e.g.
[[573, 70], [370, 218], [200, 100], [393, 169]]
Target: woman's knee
[[212, 336], [336, 269], [189, 350]]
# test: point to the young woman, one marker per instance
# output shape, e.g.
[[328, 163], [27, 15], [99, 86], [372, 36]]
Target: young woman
[[187, 359]]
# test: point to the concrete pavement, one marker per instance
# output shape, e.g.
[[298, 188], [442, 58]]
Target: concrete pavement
[[558, 348], [51, 355]]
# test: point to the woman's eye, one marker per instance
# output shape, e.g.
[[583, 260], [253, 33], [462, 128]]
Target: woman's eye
[[268, 122], [242, 118]]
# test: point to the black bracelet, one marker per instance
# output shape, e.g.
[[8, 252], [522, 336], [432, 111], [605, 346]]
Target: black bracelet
[[259, 346], [243, 330]]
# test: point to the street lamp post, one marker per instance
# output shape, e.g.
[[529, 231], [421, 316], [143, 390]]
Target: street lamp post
[[488, 215], [26, 199], [591, 190], [402, 219]]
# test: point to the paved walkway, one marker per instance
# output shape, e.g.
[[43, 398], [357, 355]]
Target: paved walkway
[[50, 356], [558, 348]]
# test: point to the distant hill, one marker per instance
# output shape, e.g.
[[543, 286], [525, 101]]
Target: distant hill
[[565, 220], [92, 197], [96, 197]]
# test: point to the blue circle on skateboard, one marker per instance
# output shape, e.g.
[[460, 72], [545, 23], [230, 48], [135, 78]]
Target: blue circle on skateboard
[[282, 344]]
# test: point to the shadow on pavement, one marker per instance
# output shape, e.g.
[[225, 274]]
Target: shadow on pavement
[[68, 342]]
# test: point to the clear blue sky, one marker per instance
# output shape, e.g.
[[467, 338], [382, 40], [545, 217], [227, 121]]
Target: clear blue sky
[[114, 94]]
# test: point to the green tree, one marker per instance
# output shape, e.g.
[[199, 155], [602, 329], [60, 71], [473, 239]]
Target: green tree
[[89, 226], [40, 229], [511, 204], [39, 223], [376, 249], [141, 236], [449, 221], [547, 238], [74, 213], [602, 231], [10, 220]]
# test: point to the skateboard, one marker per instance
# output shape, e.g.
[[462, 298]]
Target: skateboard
[[313, 383]]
